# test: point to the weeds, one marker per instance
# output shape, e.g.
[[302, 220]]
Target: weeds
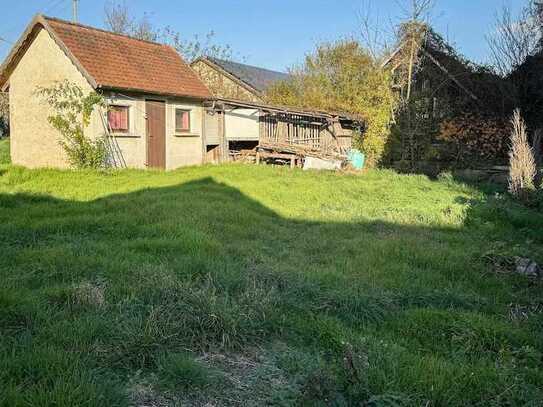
[[522, 166]]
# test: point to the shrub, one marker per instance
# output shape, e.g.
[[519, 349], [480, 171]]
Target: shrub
[[72, 111], [522, 168], [4, 114]]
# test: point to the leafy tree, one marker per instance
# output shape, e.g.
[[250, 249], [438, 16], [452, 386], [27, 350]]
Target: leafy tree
[[343, 77], [72, 111]]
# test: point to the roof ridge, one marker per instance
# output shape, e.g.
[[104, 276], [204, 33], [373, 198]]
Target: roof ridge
[[89, 27], [243, 64]]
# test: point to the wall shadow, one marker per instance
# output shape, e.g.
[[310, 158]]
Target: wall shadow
[[208, 225]]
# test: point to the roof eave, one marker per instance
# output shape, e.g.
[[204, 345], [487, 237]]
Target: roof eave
[[109, 88], [7, 68], [289, 109]]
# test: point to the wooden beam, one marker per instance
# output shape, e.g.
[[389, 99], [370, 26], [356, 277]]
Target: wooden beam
[[451, 76]]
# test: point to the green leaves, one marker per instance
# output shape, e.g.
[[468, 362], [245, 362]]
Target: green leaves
[[72, 115]]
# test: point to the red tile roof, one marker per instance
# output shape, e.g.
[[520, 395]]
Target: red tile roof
[[116, 61]]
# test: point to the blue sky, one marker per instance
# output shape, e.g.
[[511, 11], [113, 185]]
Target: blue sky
[[275, 34]]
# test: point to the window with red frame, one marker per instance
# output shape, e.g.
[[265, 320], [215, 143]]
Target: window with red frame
[[182, 121], [118, 119]]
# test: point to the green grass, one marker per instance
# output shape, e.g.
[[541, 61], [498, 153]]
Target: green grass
[[4, 151], [244, 285]]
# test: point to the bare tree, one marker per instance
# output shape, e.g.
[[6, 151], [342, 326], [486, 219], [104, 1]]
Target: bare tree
[[376, 34], [373, 35], [119, 20], [522, 168], [514, 38], [196, 47]]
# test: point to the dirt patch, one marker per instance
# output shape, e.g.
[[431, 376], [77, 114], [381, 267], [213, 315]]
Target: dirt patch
[[89, 294], [248, 379]]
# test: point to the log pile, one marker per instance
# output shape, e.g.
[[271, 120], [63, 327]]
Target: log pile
[[292, 154]]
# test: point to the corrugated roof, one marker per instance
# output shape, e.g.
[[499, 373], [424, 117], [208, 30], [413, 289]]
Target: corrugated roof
[[257, 78], [115, 61]]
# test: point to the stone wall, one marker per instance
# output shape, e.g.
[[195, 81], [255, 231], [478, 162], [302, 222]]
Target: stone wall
[[222, 85]]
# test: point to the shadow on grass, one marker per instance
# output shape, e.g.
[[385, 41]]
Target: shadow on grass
[[95, 291]]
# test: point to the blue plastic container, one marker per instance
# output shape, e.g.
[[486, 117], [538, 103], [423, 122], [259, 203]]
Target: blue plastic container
[[356, 158]]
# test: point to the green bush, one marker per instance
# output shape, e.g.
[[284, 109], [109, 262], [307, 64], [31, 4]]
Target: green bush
[[72, 115]]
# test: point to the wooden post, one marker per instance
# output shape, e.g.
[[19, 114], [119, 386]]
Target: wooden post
[[204, 135], [281, 131], [222, 137]]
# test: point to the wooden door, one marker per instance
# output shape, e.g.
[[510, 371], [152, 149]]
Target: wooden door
[[156, 133]]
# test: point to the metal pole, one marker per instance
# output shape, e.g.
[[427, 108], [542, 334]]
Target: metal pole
[[74, 10]]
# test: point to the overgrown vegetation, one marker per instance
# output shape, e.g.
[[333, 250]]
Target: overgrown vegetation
[[451, 110], [522, 167], [343, 77], [4, 114], [72, 111], [218, 285]]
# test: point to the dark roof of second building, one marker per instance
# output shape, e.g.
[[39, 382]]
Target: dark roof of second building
[[257, 78]]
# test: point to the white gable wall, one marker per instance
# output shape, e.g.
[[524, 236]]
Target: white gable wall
[[242, 124]]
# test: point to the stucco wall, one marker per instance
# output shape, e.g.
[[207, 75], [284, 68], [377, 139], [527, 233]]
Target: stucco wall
[[34, 143], [130, 149], [221, 85], [242, 124], [182, 149]]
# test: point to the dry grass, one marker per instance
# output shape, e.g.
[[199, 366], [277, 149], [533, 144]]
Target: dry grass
[[522, 167]]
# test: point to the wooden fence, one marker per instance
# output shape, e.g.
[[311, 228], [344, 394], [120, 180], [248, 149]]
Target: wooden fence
[[292, 129]]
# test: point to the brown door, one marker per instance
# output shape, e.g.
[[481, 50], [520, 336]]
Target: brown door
[[156, 133]]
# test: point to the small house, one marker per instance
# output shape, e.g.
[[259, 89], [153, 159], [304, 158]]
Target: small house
[[155, 99]]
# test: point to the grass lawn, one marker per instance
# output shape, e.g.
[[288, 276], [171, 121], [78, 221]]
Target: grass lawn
[[244, 285]]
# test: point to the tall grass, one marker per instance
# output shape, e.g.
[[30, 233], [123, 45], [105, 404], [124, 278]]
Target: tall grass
[[522, 165], [254, 285]]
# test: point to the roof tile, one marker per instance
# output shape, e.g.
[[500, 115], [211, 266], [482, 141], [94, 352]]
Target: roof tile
[[118, 61]]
